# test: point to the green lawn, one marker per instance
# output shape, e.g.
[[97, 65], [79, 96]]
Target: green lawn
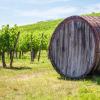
[[39, 81]]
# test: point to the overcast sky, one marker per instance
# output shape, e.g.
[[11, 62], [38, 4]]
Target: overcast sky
[[29, 11]]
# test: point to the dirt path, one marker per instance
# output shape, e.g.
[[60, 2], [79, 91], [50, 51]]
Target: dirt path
[[27, 76]]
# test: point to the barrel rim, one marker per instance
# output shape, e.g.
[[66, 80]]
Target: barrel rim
[[95, 40]]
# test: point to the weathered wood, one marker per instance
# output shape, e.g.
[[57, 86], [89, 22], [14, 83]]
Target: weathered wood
[[74, 46]]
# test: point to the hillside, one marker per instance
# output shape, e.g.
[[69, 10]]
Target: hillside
[[49, 26], [41, 26], [36, 30]]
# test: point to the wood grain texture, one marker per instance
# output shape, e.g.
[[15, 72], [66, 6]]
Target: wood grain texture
[[73, 47]]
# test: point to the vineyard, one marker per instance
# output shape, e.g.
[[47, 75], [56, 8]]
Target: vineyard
[[15, 41], [26, 72]]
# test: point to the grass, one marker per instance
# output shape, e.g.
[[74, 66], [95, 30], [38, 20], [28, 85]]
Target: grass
[[39, 81], [41, 26]]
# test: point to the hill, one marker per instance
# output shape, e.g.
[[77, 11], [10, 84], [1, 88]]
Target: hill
[[50, 25], [41, 26], [35, 31]]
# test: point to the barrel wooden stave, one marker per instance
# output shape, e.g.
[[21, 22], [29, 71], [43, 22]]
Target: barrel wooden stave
[[72, 49]]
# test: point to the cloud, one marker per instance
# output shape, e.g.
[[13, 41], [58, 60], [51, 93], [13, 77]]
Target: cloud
[[29, 11], [90, 8], [44, 1], [3, 8], [94, 8], [56, 12]]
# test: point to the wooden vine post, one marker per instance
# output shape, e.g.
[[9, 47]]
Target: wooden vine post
[[40, 48]]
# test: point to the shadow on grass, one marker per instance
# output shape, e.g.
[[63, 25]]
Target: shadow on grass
[[19, 68], [95, 78]]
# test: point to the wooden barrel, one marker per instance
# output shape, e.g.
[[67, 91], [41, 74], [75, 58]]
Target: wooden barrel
[[75, 46]]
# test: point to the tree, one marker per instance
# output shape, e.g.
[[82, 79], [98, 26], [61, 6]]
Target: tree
[[8, 42], [4, 42], [13, 40]]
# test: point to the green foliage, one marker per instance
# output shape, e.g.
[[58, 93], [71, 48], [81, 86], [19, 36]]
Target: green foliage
[[4, 38], [23, 43], [42, 26], [13, 36], [8, 37], [31, 35]]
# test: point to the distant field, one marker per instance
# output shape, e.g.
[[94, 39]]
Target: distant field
[[39, 81]]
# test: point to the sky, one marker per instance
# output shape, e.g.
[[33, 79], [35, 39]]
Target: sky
[[24, 12]]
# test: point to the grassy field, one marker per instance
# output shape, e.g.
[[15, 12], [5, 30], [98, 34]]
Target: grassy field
[[39, 81]]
